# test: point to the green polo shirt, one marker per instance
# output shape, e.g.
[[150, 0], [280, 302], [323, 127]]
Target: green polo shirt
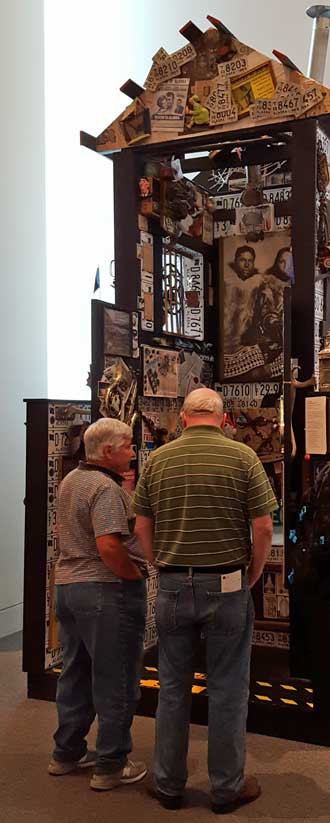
[[202, 491]]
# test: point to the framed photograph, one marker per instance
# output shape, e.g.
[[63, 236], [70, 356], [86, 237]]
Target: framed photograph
[[169, 106], [253, 278], [117, 332]]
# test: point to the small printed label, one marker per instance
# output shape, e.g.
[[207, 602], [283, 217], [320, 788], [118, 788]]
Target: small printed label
[[220, 97], [233, 68], [286, 106], [217, 118], [170, 67], [261, 109], [231, 582], [311, 98]]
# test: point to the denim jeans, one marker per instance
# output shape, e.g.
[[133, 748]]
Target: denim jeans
[[101, 629], [186, 606]]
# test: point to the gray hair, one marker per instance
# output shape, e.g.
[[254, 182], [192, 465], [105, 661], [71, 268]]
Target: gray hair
[[105, 432], [203, 401]]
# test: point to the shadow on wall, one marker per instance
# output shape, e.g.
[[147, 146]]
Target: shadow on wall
[[12, 643]]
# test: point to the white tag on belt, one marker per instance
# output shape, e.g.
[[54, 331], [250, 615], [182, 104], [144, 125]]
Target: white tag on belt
[[231, 582]]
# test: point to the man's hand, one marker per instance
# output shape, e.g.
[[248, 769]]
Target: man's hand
[[262, 533], [114, 555], [144, 532]]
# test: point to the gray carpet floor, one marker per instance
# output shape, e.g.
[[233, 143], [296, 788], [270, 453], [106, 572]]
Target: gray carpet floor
[[295, 777]]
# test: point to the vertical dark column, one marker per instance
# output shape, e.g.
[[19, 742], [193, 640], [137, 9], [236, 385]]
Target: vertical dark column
[[304, 242], [304, 252], [35, 543], [125, 186], [308, 624], [287, 496], [97, 364]]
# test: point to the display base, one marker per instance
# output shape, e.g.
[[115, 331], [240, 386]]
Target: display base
[[278, 707]]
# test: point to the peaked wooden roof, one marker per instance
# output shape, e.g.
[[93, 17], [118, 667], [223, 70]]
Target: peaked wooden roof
[[213, 84]]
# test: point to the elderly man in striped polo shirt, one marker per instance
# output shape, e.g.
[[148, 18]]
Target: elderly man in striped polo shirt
[[100, 606], [195, 503]]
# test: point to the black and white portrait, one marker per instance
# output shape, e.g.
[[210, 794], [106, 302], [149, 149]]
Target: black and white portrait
[[254, 276], [117, 332]]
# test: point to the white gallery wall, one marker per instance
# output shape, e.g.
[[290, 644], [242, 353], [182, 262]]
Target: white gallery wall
[[90, 49], [23, 347]]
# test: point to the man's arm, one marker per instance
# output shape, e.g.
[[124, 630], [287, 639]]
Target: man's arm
[[144, 532], [114, 555], [262, 532]]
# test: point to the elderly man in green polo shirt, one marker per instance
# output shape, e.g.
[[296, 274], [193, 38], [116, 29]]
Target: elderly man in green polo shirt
[[195, 503]]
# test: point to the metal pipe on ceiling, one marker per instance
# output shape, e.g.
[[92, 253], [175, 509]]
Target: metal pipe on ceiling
[[319, 41]]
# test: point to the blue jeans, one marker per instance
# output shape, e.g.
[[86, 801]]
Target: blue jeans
[[101, 629], [187, 606]]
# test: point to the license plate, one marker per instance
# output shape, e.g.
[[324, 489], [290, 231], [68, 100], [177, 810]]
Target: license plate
[[169, 67], [233, 68], [233, 201], [273, 640], [246, 395], [275, 555]]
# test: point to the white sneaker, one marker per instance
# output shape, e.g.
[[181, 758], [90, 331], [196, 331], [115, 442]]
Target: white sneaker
[[131, 773], [60, 767]]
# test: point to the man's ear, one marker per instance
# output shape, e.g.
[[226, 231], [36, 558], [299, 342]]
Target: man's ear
[[183, 419]]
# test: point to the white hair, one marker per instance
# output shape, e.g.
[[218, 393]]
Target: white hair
[[105, 432], [203, 401]]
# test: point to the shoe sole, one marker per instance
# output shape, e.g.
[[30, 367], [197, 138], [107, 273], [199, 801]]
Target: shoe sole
[[228, 808], [168, 802], [55, 773], [120, 782]]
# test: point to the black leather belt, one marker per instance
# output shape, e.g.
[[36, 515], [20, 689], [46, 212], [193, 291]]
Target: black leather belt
[[202, 569]]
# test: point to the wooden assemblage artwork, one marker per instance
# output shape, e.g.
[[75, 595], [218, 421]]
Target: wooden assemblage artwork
[[214, 83]]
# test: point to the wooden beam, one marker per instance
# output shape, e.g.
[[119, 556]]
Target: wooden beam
[[87, 140], [210, 140], [218, 25], [286, 61], [131, 89], [191, 32]]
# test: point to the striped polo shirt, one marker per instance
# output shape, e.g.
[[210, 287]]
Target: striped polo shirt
[[91, 503], [202, 490]]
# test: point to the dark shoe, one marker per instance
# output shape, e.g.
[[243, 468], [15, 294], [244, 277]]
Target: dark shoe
[[168, 801], [250, 791]]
